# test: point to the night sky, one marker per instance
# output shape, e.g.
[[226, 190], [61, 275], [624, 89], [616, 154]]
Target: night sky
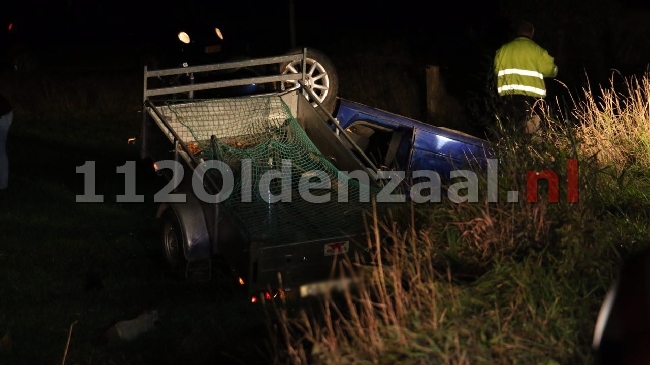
[[585, 36]]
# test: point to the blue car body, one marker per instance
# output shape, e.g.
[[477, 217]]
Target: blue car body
[[416, 145]]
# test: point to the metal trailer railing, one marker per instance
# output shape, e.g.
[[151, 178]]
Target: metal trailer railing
[[299, 78], [179, 136], [220, 67]]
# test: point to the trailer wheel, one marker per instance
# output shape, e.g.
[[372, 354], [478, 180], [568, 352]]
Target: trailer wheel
[[321, 77], [171, 242]]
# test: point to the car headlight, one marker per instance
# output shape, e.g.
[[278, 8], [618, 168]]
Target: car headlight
[[184, 37]]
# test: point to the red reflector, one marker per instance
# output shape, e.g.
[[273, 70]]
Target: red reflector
[[254, 299], [267, 295], [10, 27]]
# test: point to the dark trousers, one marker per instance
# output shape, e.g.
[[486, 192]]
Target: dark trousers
[[515, 112]]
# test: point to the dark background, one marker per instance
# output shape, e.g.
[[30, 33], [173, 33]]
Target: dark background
[[589, 39], [77, 93]]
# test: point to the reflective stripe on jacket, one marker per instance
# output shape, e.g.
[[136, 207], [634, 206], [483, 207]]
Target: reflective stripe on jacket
[[521, 66]]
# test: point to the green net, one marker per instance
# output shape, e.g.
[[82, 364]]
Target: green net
[[269, 155]]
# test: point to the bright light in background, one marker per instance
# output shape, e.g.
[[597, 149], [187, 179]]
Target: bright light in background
[[216, 30], [184, 37]]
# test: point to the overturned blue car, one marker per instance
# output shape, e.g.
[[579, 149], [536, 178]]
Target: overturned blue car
[[398, 143]]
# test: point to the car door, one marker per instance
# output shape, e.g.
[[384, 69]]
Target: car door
[[442, 151]]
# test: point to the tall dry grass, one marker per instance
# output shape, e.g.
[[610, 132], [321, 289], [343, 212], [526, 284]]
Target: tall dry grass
[[505, 283], [615, 127]]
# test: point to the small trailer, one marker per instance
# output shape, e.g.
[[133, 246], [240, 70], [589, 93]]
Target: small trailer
[[256, 149], [273, 182]]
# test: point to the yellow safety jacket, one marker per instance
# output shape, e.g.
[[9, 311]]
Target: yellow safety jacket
[[521, 66]]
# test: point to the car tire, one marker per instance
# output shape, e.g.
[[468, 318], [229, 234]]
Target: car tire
[[171, 242], [322, 78]]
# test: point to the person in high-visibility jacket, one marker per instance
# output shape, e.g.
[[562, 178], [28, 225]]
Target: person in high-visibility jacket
[[521, 66]]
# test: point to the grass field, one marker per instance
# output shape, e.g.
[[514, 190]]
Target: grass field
[[503, 283]]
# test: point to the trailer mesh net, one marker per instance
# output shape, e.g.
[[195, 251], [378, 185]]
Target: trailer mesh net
[[269, 155]]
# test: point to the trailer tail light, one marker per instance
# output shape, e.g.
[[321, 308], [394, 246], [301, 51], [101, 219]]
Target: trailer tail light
[[270, 295]]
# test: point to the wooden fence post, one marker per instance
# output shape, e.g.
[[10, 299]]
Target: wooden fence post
[[435, 94], [443, 110]]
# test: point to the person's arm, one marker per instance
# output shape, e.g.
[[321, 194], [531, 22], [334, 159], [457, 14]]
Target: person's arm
[[497, 62], [547, 64]]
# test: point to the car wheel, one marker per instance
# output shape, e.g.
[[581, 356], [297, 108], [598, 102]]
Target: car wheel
[[171, 242], [321, 77]]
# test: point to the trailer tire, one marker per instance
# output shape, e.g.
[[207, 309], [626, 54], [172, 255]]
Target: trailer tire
[[171, 242], [322, 78]]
